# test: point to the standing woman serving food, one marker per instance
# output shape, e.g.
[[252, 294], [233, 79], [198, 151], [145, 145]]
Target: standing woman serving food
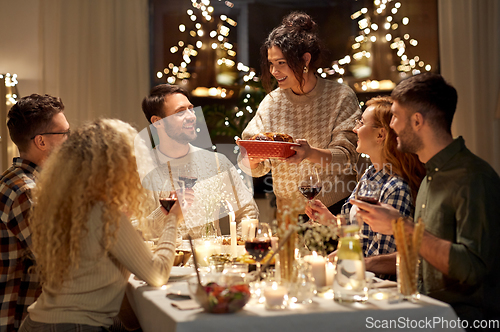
[[319, 114]]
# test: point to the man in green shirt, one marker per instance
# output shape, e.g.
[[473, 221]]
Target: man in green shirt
[[458, 200]]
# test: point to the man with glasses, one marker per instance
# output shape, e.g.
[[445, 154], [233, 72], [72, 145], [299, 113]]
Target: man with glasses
[[37, 126]]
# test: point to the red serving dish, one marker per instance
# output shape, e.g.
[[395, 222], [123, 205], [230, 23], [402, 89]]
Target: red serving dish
[[267, 149]]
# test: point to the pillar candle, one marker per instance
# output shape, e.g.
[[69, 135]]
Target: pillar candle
[[234, 240], [318, 268], [274, 243], [245, 225], [330, 271], [204, 250]]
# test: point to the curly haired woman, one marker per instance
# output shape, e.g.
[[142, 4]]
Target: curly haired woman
[[399, 175], [84, 242]]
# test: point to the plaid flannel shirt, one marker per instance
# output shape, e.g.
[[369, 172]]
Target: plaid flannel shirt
[[394, 191], [18, 288]]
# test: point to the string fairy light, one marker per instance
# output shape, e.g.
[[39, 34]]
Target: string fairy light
[[382, 26], [201, 21], [11, 82]]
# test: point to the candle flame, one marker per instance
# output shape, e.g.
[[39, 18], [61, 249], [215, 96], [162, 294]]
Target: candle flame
[[229, 206], [231, 211]]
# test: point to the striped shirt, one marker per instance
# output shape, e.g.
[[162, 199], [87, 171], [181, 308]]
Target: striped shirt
[[394, 191], [18, 287]]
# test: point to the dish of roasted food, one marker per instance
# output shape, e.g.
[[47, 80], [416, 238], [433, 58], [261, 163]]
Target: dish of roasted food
[[274, 137], [227, 241], [268, 145]]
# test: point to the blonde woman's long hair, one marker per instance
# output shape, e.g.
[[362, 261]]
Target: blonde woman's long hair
[[96, 164], [406, 165]]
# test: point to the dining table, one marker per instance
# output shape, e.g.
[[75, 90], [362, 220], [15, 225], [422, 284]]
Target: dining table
[[382, 311]]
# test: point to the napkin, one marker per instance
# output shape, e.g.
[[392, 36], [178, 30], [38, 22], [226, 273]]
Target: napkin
[[186, 305], [381, 283]]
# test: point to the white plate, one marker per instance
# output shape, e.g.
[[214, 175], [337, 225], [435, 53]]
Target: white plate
[[180, 272]]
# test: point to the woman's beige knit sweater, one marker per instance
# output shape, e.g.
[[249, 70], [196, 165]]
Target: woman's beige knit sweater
[[324, 117]]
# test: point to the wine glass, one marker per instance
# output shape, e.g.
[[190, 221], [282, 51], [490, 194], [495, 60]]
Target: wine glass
[[186, 175], [167, 195], [168, 199], [310, 184], [368, 191], [258, 242]]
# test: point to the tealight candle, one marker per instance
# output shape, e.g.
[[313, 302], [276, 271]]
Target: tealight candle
[[318, 269], [276, 296]]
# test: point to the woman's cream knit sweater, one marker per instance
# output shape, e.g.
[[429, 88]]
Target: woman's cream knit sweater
[[325, 117]]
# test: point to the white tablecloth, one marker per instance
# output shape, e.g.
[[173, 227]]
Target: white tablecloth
[[156, 313]]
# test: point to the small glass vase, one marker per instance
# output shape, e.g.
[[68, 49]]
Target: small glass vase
[[303, 289]]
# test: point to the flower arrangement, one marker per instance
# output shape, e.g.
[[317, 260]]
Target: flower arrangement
[[317, 237], [214, 202]]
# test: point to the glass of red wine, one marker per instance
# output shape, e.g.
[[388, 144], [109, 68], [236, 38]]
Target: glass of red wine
[[310, 184], [186, 175], [368, 191], [258, 242], [168, 199]]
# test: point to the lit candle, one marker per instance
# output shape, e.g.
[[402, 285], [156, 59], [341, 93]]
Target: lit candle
[[318, 269], [232, 231], [276, 296], [330, 272], [203, 251], [274, 243], [234, 240], [245, 224]]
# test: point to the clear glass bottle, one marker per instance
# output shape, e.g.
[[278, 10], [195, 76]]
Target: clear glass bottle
[[349, 280]]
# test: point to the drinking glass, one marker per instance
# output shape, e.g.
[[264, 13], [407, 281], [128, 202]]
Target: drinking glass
[[368, 191], [258, 242], [187, 176], [168, 199], [310, 183]]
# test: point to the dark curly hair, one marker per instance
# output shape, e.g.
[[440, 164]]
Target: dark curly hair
[[30, 116], [296, 36]]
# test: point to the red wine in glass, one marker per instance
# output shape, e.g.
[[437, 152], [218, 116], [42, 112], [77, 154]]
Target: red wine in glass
[[167, 203], [258, 248], [310, 192], [189, 182], [168, 199], [371, 200]]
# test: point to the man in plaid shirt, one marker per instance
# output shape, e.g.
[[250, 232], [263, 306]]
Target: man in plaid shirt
[[37, 126]]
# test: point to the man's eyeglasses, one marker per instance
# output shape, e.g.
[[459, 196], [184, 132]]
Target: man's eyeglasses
[[66, 133]]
